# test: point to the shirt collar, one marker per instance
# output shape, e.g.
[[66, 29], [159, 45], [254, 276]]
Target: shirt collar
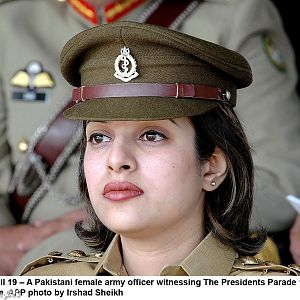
[[209, 258], [112, 261]]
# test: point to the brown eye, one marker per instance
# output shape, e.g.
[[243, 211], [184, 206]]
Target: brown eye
[[98, 138], [152, 136]]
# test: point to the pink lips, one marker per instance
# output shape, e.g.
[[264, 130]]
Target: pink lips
[[117, 191]]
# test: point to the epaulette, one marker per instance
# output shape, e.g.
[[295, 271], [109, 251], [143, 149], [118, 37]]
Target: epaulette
[[57, 256], [250, 263]]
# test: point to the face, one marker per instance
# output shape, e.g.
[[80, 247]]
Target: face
[[144, 176]]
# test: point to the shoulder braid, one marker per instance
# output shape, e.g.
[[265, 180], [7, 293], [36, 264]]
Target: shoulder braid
[[57, 257], [250, 263]]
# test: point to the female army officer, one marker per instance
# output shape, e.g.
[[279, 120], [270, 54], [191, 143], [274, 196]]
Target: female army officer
[[165, 169]]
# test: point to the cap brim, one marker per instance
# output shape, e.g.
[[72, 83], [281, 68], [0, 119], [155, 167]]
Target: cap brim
[[146, 108]]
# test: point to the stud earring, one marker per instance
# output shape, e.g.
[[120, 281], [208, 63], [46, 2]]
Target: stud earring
[[213, 183]]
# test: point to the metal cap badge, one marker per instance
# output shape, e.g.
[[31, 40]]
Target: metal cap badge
[[125, 66]]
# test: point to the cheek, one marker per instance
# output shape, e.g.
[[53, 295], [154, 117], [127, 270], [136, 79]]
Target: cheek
[[169, 173], [93, 167]]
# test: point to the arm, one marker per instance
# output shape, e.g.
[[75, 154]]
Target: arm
[[17, 240], [270, 111]]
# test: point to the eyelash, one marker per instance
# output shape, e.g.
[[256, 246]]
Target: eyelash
[[159, 137], [94, 135], [153, 133]]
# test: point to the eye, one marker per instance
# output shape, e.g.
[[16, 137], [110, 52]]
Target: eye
[[99, 138], [152, 136]]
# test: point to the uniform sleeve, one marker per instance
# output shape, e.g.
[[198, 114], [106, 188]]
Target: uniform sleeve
[[269, 110], [6, 217]]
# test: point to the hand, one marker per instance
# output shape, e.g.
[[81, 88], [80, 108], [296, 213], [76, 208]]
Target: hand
[[9, 260], [16, 240], [295, 240]]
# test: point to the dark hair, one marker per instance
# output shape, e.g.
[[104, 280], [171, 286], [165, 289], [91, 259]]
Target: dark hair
[[227, 209]]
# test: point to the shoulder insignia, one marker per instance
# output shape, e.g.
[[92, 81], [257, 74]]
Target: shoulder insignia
[[31, 83], [273, 53], [57, 257], [249, 263]]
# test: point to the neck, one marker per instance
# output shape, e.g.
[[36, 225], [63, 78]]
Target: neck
[[149, 256]]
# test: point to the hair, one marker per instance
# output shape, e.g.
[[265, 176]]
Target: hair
[[227, 209]]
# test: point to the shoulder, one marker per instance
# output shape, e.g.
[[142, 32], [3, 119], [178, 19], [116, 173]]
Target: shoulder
[[55, 263], [226, 22], [239, 10], [10, 9], [6, 1], [251, 266], [12, 1]]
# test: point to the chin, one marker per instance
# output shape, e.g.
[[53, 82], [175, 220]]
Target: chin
[[128, 230]]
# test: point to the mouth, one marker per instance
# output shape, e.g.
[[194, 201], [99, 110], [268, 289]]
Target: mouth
[[117, 191]]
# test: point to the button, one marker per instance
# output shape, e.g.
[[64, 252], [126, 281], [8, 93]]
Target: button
[[23, 145]]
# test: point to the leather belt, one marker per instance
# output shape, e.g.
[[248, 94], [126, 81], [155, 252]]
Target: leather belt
[[174, 90], [168, 12], [57, 137]]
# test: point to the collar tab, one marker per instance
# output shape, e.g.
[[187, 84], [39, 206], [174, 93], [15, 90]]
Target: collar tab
[[112, 11]]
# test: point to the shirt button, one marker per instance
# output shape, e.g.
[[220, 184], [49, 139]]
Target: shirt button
[[23, 145]]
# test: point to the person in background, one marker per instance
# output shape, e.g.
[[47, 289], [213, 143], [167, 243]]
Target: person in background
[[32, 90], [289, 18]]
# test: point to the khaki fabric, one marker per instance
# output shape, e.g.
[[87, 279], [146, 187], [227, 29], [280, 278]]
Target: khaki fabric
[[269, 252], [269, 109], [162, 56], [209, 258], [64, 241]]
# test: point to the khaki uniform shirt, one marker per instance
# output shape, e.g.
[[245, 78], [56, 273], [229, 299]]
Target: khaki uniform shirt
[[209, 258], [269, 108]]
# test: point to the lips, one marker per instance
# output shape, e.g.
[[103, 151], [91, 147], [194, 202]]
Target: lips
[[117, 191]]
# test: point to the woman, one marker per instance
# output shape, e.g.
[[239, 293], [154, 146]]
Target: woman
[[165, 169]]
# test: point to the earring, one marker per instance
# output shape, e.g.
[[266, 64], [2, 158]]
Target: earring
[[213, 183]]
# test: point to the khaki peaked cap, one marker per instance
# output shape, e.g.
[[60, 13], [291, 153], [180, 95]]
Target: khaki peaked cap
[[162, 57]]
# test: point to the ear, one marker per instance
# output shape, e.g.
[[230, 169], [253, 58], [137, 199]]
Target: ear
[[215, 170]]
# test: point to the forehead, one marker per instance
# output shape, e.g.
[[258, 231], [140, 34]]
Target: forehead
[[178, 122]]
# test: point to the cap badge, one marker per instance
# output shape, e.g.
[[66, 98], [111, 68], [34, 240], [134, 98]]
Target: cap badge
[[125, 66]]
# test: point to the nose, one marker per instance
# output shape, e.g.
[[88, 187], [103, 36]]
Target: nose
[[121, 157]]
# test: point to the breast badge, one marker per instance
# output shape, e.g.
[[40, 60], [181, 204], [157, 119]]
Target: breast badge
[[32, 83]]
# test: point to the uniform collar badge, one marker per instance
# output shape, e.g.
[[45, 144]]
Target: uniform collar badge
[[125, 66], [31, 83]]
